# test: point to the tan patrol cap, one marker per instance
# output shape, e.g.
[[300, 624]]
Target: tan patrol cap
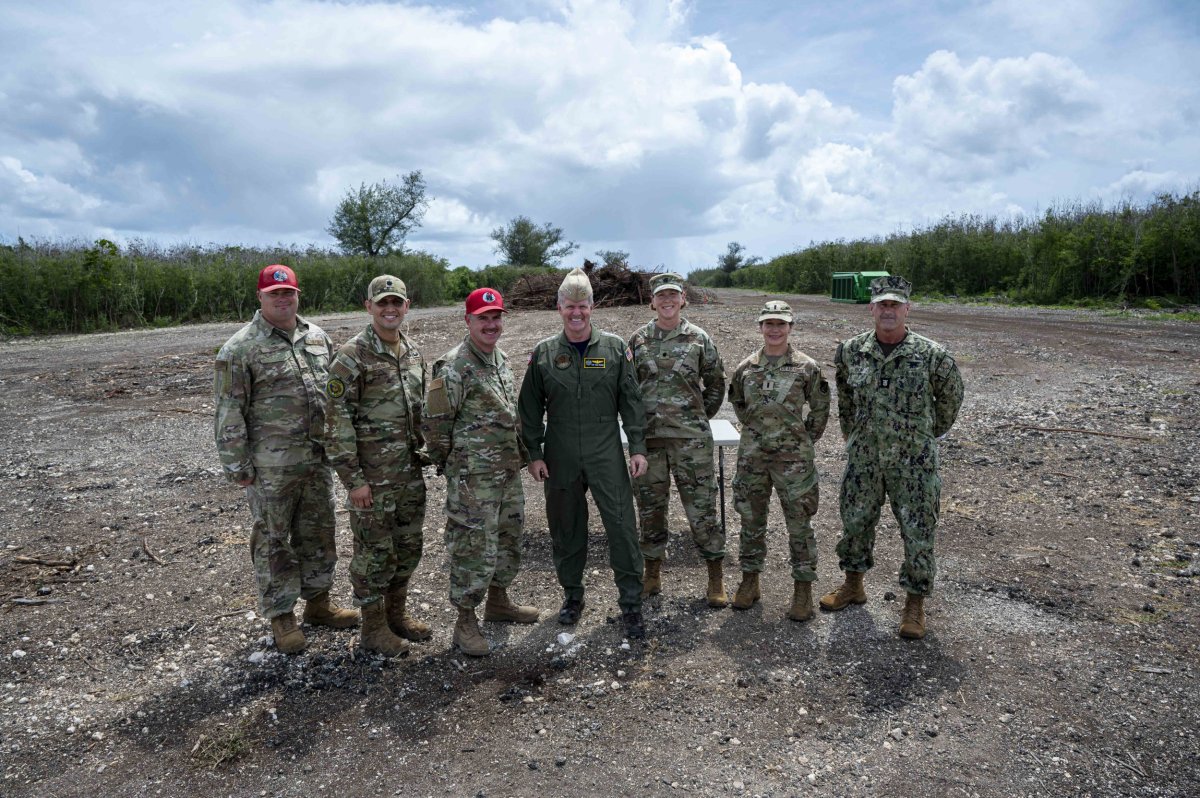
[[387, 285], [775, 309], [576, 287]]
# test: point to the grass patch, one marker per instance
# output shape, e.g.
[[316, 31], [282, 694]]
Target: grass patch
[[223, 745]]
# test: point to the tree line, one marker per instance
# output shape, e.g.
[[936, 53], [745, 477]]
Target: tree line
[[1071, 254], [1079, 254]]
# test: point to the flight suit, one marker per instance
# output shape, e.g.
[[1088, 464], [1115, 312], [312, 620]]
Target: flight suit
[[569, 406]]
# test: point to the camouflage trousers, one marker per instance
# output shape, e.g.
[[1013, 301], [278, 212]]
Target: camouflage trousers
[[291, 543], [796, 485], [387, 537], [690, 461], [915, 494], [484, 516]]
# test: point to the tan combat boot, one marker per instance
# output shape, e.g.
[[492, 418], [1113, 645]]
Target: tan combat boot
[[467, 636], [652, 579], [747, 592], [715, 595], [912, 623], [398, 619], [500, 608], [321, 611], [802, 608], [288, 637], [850, 592], [376, 636]]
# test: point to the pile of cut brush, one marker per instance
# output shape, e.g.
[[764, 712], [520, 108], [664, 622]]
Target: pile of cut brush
[[612, 285]]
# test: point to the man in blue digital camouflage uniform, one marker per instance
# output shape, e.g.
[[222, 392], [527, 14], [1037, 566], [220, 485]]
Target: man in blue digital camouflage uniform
[[898, 392]]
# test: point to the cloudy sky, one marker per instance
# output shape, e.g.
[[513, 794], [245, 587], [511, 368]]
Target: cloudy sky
[[666, 128]]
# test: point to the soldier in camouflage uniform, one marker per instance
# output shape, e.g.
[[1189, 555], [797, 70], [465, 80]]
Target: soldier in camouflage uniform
[[375, 389], [268, 425], [682, 380], [473, 436], [768, 391], [576, 384], [897, 393]]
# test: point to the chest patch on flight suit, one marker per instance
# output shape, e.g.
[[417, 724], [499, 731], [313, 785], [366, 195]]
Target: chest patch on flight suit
[[562, 361], [593, 362]]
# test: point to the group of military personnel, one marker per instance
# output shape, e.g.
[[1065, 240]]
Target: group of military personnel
[[290, 412]]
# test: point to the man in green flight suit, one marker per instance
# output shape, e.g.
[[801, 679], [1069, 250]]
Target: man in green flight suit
[[576, 384], [375, 390], [898, 392]]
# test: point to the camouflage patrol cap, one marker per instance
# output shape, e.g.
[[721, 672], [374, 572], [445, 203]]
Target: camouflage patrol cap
[[893, 287], [776, 309], [387, 285], [576, 287], [668, 281]]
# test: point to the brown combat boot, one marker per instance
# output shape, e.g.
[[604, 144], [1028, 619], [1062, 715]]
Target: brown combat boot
[[288, 637], [652, 579], [802, 608], [467, 636], [376, 635], [912, 623], [321, 611], [850, 592], [500, 608], [715, 595], [398, 619], [747, 592]]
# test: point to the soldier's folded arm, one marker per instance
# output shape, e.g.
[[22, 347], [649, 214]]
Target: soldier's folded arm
[[818, 405], [713, 375], [844, 393], [231, 383], [437, 422], [341, 409], [947, 394]]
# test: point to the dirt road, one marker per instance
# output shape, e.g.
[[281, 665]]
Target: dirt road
[[1061, 658]]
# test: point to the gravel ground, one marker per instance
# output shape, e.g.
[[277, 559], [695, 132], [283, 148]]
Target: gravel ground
[[1061, 657]]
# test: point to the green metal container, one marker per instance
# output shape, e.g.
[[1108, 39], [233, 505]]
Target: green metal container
[[853, 286]]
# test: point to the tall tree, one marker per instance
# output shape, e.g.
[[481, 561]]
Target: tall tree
[[523, 243], [734, 259], [376, 219]]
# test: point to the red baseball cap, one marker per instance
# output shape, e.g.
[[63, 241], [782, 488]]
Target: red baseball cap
[[481, 300], [277, 276]]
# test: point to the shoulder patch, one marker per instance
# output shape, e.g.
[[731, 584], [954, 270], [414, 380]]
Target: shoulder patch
[[437, 403], [629, 354], [335, 388]]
